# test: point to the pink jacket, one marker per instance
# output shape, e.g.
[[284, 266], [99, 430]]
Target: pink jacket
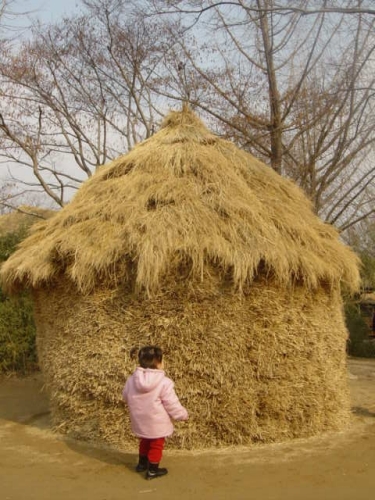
[[152, 403]]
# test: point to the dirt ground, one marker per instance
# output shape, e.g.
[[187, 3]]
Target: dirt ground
[[37, 464]]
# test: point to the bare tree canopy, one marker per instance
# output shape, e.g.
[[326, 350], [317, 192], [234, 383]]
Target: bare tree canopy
[[77, 89], [308, 7], [296, 90]]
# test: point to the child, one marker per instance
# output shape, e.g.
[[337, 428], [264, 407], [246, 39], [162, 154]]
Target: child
[[152, 403]]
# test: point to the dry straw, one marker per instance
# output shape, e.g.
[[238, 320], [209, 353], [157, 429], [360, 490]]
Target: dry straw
[[193, 244]]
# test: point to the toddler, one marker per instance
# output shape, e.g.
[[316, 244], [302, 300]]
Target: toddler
[[152, 404]]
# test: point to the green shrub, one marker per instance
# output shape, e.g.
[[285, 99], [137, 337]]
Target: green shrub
[[17, 329], [367, 270], [17, 335], [359, 343]]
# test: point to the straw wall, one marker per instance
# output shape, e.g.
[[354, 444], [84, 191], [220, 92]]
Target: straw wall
[[263, 367]]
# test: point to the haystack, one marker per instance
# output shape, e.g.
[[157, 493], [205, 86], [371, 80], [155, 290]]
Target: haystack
[[23, 218], [192, 244]]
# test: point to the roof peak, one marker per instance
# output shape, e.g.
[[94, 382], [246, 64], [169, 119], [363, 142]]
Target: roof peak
[[184, 117]]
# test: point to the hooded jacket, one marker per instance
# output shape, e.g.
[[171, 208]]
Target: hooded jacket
[[152, 403]]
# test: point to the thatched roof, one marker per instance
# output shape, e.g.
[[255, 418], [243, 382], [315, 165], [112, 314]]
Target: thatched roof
[[183, 198]]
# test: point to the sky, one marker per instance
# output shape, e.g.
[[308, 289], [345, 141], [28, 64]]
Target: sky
[[46, 10]]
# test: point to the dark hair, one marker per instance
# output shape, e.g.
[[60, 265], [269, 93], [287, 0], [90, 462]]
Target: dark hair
[[148, 357]]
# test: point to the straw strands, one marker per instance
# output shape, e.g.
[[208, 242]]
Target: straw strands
[[183, 197], [189, 243], [266, 368]]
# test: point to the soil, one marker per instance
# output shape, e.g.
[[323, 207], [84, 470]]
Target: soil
[[39, 464]]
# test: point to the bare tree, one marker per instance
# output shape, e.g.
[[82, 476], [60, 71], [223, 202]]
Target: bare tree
[[198, 8], [77, 95], [3, 6], [5, 12], [293, 84], [8, 193]]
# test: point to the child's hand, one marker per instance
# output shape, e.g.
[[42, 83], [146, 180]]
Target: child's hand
[[185, 417]]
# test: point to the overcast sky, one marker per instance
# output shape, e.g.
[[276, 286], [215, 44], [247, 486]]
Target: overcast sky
[[46, 10]]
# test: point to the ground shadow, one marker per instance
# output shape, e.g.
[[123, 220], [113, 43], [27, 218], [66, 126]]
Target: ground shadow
[[23, 401], [104, 454], [362, 412]]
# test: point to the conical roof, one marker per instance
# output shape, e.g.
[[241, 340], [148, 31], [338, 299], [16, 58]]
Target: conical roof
[[183, 197]]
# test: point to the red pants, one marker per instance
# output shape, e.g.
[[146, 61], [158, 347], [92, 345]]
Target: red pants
[[152, 449]]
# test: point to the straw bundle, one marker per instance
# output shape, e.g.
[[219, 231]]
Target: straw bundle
[[265, 368], [192, 244]]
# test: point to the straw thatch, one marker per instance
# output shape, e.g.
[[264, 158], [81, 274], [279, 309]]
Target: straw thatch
[[22, 218], [193, 244], [367, 299]]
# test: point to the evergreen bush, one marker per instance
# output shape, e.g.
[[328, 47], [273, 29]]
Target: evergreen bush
[[359, 343], [17, 329]]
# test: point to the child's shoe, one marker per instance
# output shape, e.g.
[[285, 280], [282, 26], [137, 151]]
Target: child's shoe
[[142, 465], [155, 471]]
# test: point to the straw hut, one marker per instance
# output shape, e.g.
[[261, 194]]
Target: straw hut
[[192, 244]]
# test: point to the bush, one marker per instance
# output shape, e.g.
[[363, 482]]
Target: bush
[[17, 335], [17, 329], [359, 343]]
